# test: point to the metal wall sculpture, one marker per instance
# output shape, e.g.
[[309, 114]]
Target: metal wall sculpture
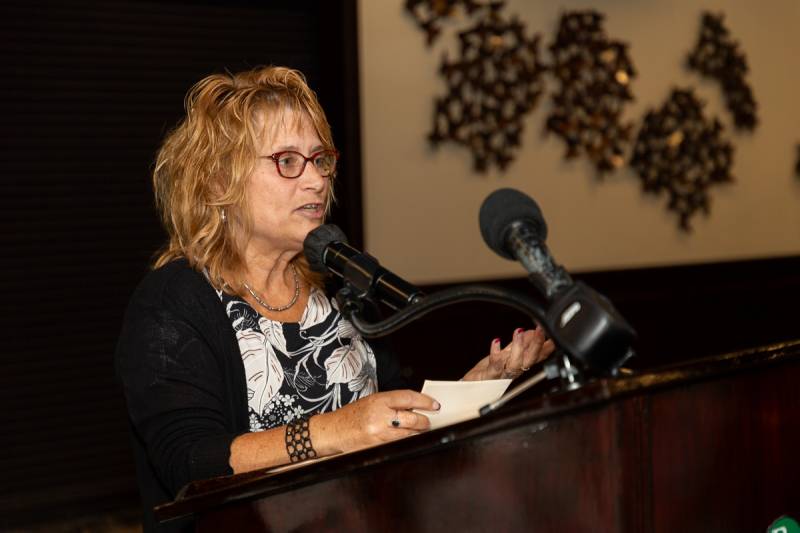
[[594, 75], [718, 56], [430, 13], [680, 152], [498, 80], [499, 77], [491, 87]]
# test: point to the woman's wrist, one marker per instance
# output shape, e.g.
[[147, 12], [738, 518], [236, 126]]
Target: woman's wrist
[[477, 372], [325, 438], [299, 446]]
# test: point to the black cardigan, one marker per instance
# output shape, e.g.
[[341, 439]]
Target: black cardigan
[[184, 382]]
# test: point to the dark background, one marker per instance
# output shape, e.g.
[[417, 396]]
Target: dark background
[[89, 90]]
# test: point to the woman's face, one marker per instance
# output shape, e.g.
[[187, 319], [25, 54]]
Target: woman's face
[[284, 210]]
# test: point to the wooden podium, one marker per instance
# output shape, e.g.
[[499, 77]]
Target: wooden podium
[[710, 445]]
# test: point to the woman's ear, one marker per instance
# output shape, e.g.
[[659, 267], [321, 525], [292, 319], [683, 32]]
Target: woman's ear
[[217, 186]]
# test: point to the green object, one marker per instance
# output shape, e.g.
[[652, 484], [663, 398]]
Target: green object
[[784, 524]]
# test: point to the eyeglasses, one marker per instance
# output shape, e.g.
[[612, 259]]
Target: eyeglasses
[[291, 164]]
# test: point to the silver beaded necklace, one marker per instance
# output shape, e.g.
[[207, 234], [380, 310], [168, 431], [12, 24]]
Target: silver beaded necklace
[[268, 307]]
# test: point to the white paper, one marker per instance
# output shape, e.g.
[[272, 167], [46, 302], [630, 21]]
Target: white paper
[[461, 400]]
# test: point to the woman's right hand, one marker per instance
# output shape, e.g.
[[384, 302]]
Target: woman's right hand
[[368, 421]]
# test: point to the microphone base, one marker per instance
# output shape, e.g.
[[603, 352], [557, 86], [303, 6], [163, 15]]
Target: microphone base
[[587, 326]]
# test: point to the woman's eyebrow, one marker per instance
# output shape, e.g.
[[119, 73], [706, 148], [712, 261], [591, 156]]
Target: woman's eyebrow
[[293, 148], [287, 148]]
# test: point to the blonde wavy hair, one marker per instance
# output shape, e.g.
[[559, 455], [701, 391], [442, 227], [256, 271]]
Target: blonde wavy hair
[[204, 163]]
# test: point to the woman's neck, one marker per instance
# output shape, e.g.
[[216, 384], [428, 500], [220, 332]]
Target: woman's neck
[[273, 287]]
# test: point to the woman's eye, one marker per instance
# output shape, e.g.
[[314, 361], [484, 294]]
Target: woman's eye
[[288, 160], [324, 161]]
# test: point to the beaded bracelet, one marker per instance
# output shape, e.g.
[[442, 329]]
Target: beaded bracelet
[[298, 441]]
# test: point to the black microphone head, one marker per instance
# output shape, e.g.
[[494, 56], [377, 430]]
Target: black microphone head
[[504, 207], [317, 240]]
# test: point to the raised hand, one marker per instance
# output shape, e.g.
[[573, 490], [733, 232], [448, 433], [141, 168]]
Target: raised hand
[[525, 350]]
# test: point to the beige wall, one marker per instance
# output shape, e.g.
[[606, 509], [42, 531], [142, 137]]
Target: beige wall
[[421, 205]]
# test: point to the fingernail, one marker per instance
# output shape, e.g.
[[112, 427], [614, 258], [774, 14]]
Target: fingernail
[[518, 331], [496, 341], [436, 405]]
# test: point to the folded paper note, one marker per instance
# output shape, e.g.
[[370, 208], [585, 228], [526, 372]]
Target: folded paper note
[[461, 400]]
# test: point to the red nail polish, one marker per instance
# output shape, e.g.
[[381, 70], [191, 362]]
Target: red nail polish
[[519, 330], [496, 341]]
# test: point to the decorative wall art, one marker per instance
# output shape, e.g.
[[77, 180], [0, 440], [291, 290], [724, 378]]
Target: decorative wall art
[[498, 79], [491, 87], [594, 75], [680, 152], [717, 56], [430, 13]]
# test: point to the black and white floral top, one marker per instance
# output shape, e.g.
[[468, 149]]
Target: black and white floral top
[[294, 369]]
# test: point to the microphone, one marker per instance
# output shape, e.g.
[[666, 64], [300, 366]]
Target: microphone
[[582, 321], [512, 225], [327, 250]]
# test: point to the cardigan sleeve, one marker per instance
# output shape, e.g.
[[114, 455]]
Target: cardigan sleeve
[[175, 391]]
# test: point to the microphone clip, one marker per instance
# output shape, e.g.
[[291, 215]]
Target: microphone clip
[[359, 276], [349, 303]]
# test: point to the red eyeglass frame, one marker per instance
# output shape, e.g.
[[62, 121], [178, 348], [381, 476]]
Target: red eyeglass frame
[[277, 155]]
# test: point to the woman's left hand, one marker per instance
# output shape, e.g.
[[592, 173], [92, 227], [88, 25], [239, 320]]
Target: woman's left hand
[[525, 350]]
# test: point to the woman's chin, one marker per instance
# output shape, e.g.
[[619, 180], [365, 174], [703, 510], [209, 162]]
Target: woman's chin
[[312, 225]]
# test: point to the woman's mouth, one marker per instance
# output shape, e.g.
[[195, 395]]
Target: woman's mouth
[[311, 210]]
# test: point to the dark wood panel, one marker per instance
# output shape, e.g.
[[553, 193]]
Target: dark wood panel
[[485, 484], [703, 446], [733, 440], [679, 312]]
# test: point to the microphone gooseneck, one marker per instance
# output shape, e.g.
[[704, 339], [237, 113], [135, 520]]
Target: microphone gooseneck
[[582, 321]]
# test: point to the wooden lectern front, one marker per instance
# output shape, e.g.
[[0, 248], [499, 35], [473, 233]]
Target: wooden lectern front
[[711, 445]]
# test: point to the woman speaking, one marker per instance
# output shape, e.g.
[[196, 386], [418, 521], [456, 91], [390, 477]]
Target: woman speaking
[[232, 355]]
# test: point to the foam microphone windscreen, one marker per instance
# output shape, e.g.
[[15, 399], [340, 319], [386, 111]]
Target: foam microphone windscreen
[[503, 207], [317, 240]]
